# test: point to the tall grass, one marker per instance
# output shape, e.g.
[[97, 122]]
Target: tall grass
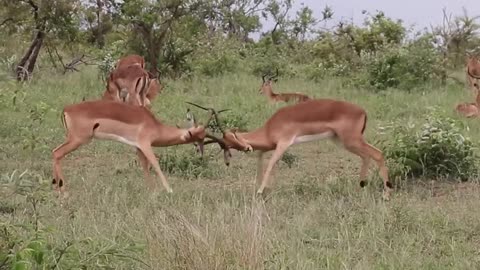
[[317, 217]]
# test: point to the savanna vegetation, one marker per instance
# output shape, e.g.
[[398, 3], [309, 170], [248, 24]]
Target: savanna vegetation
[[54, 53]]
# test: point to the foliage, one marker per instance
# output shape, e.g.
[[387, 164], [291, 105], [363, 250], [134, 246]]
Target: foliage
[[401, 67], [189, 165], [437, 150], [31, 244], [289, 159]]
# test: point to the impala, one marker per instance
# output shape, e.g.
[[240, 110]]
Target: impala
[[267, 90], [470, 109], [132, 125], [129, 60], [472, 71], [130, 82], [304, 122]]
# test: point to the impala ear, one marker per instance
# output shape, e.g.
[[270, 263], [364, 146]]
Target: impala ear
[[192, 122]]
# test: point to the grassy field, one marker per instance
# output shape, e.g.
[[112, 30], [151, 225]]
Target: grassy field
[[317, 217]]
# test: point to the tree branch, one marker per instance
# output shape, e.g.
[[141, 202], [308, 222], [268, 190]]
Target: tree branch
[[5, 21]]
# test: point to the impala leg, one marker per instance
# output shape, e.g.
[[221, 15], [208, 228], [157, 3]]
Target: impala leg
[[259, 167], [366, 151], [150, 156], [146, 169], [58, 154], [277, 154], [356, 147]]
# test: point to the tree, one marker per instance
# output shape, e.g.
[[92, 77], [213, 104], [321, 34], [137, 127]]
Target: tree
[[153, 21], [40, 17], [98, 16]]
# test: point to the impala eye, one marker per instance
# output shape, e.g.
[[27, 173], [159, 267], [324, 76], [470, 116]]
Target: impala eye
[[190, 133]]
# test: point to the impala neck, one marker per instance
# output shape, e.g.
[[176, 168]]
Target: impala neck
[[269, 92], [258, 139], [168, 135]]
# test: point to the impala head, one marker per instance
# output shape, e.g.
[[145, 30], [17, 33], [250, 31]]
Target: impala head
[[230, 139], [129, 84], [267, 83], [236, 142]]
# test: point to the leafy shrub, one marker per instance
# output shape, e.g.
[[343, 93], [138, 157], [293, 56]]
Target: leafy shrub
[[289, 159], [229, 120], [400, 67], [437, 150], [217, 57], [31, 244], [186, 164]]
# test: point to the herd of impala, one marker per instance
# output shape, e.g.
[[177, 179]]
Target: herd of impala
[[123, 114]]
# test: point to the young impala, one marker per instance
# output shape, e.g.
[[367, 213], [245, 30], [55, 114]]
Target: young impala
[[267, 90], [304, 122], [132, 125]]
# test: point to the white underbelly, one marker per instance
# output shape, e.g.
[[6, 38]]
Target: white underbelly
[[114, 137], [313, 137]]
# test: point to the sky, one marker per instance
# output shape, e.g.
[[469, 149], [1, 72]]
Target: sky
[[416, 13]]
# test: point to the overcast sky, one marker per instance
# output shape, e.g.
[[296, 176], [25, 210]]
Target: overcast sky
[[420, 13]]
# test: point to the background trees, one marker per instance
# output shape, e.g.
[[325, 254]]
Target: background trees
[[183, 37]]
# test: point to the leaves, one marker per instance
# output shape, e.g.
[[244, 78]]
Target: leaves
[[437, 150]]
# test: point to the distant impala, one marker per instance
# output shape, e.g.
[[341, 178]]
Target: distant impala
[[267, 90]]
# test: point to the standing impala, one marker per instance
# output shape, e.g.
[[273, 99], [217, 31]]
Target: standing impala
[[132, 125], [130, 82], [267, 90], [304, 122]]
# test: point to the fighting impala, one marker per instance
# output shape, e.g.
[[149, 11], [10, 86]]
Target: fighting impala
[[267, 90], [131, 125], [304, 122]]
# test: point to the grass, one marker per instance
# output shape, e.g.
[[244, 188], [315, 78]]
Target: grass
[[317, 217]]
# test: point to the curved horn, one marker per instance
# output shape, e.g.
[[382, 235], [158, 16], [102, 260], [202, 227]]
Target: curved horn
[[213, 113], [274, 76], [263, 77]]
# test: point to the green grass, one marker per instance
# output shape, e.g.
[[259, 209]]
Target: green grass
[[317, 217]]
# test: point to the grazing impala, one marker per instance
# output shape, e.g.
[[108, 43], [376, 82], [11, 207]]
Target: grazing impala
[[132, 125], [308, 121], [267, 90], [470, 109]]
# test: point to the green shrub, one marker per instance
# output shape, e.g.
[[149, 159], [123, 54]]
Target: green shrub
[[186, 164], [229, 120], [437, 150], [400, 67], [289, 159]]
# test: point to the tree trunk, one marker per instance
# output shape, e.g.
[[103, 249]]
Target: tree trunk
[[27, 63]]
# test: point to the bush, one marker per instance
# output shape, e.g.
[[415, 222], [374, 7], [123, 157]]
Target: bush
[[437, 150], [229, 120], [404, 68], [189, 165]]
